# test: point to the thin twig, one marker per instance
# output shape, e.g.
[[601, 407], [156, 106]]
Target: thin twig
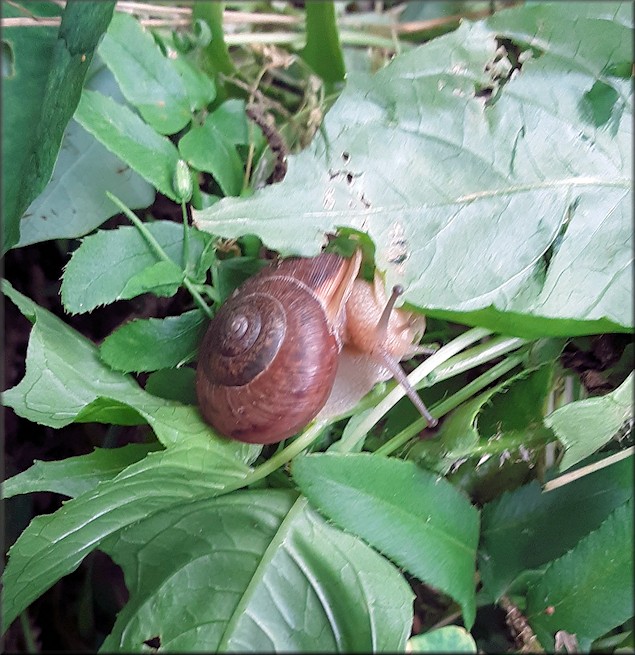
[[247, 17], [30, 22], [590, 468], [142, 7]]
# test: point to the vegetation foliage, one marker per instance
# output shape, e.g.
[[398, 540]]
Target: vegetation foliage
[[485, 164]]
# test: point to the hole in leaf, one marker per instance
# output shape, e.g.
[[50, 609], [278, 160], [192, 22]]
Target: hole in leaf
[[506, 64], [596, 106], [621, 69], [557, 242], [153, 642], [8, 61]]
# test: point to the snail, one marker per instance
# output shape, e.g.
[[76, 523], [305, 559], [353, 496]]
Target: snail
[[301, 339]]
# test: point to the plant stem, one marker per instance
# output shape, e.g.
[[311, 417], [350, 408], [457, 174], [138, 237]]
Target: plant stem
[[472, 358], [198, 299], [186, 239], [156, 248], [29, 642], [285, 455], [447, 405], [442, 355]]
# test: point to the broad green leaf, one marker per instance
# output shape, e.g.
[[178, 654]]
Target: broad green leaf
[[76, 475], [35, 116], [323, 51], [207, 149], [526, 528], [586, 425], [254, 571], [29, 52], [450, 639], [498, 422], [590, 588], [74, 202], [414, 517], [54, 545], [113, 265], [154, 343], [148, 153], [65, 381], [161, 278], [148, 80], [230, 119], [512, 213], [200, 89], [174, 384]]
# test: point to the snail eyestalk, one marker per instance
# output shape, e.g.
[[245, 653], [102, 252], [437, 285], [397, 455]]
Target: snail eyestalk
[[381, 330], [398, 373]]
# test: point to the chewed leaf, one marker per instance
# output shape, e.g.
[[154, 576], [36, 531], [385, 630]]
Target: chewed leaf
[[492, 198], [586, 425], [76, 475]]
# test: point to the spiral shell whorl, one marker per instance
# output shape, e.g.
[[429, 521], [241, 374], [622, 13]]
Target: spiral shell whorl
[[261, 379], [243, 338]]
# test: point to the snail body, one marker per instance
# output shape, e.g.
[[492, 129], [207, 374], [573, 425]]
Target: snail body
[[270, 358]]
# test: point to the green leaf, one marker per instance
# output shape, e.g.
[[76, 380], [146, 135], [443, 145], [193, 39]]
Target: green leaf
[[450, 639], [323, 51], [526, 528], [231, 121], [591, 587], [520, 188], [207, 149], [255, 571], [39, 100], [502, 420], [76, 475], [65, 381], [118, 264], [155, 343], [174, 384], [54, 545], [74, 202], [586, 425], [148, 153], [23, 88], [200, 89], [414, 517], [161, 279], [148, 80]]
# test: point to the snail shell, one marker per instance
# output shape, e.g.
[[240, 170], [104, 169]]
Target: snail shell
[[269, 358], [296, 335]]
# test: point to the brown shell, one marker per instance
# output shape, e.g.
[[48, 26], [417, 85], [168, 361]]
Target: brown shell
[[269, 358]]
